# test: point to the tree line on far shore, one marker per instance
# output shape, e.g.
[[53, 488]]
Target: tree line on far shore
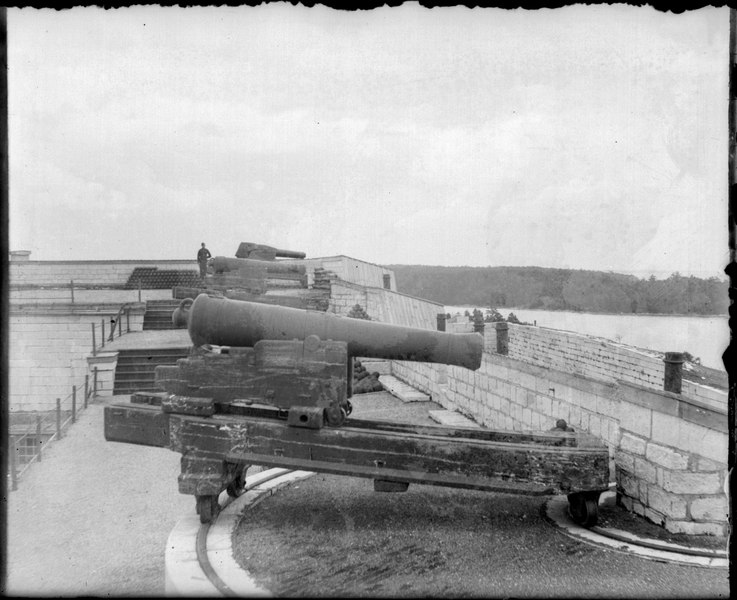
[[563, 289]]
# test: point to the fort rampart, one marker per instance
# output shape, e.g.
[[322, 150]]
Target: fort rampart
[[55, 304], [668, 451]]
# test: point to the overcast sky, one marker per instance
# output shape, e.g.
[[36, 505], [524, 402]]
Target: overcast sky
[[587, 137]]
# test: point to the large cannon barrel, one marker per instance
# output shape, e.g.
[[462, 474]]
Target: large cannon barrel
[[263, 252], [224, 264], [225, 322]]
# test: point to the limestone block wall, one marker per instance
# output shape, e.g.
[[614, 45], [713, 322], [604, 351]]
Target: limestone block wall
[[594, 357], [48, 349], [110, 273], [384, 305], [53, 273], [590, 356], [50, 327], [708, 395], [353, 271], [668, 451], [65, 295]]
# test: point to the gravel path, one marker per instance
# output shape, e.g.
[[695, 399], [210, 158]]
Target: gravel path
[[93, 517]]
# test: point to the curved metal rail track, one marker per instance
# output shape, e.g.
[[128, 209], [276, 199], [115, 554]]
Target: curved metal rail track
[[223, 588], [202, 533], [205, 565]]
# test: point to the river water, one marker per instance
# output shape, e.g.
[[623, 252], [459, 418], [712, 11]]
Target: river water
[[705, 337]]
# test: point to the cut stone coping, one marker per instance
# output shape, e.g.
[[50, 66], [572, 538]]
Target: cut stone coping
[[399, 389], [450, 418], [556, 512], [184, 576]]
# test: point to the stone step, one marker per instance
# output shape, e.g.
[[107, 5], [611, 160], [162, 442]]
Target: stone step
[[406, 393], [451, 418], [135, 368], [145, 353], [158, 313], [129, 375], [159, 326], [126, 390], [139, 362]]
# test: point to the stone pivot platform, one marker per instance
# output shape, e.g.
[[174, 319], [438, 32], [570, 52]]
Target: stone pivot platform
[[401, 390]]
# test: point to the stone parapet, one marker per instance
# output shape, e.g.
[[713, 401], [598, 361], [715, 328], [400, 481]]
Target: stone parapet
[[84, 272], [102, 367], [668, 452], [49, 348], [383, 305]]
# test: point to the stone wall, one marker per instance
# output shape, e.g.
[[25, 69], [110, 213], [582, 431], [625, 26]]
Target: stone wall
[[52, 273], [50, 336], [583, 355], [594, 357], [102, 273], [384, 305], [354, 271], [48, 349], [66, 295], [668, 451]]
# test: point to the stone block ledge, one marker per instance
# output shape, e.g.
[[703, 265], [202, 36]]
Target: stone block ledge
[[676, 405]]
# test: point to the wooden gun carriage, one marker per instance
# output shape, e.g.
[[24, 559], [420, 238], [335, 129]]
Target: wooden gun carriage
[[270, 385]]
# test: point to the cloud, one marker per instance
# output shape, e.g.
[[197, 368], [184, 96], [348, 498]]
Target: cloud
[[445, 136]]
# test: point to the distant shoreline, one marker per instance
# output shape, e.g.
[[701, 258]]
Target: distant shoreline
[[470, 307]]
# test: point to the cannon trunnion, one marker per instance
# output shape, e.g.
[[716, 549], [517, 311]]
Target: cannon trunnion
[[278, 394]]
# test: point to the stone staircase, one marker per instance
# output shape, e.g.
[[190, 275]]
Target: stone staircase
[[135, 369], [158, 314]]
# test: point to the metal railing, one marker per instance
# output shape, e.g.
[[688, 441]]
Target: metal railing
[[43, 428], [116, 322]]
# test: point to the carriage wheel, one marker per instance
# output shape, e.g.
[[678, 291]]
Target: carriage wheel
[[584, 508], [238, 485], [207, 507]]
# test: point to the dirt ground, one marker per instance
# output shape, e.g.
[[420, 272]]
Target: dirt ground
[[332, 536], [93, 517]]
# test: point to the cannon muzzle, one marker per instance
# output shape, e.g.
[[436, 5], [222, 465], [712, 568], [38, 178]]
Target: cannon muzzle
[[263, 252], [225, 322]]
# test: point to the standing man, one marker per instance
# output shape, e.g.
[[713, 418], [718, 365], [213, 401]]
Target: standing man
[[202, 255]]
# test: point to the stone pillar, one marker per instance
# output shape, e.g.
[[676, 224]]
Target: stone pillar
[[502, 337], [105, 363], [441, 321], [20, 255], [673, 372]]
